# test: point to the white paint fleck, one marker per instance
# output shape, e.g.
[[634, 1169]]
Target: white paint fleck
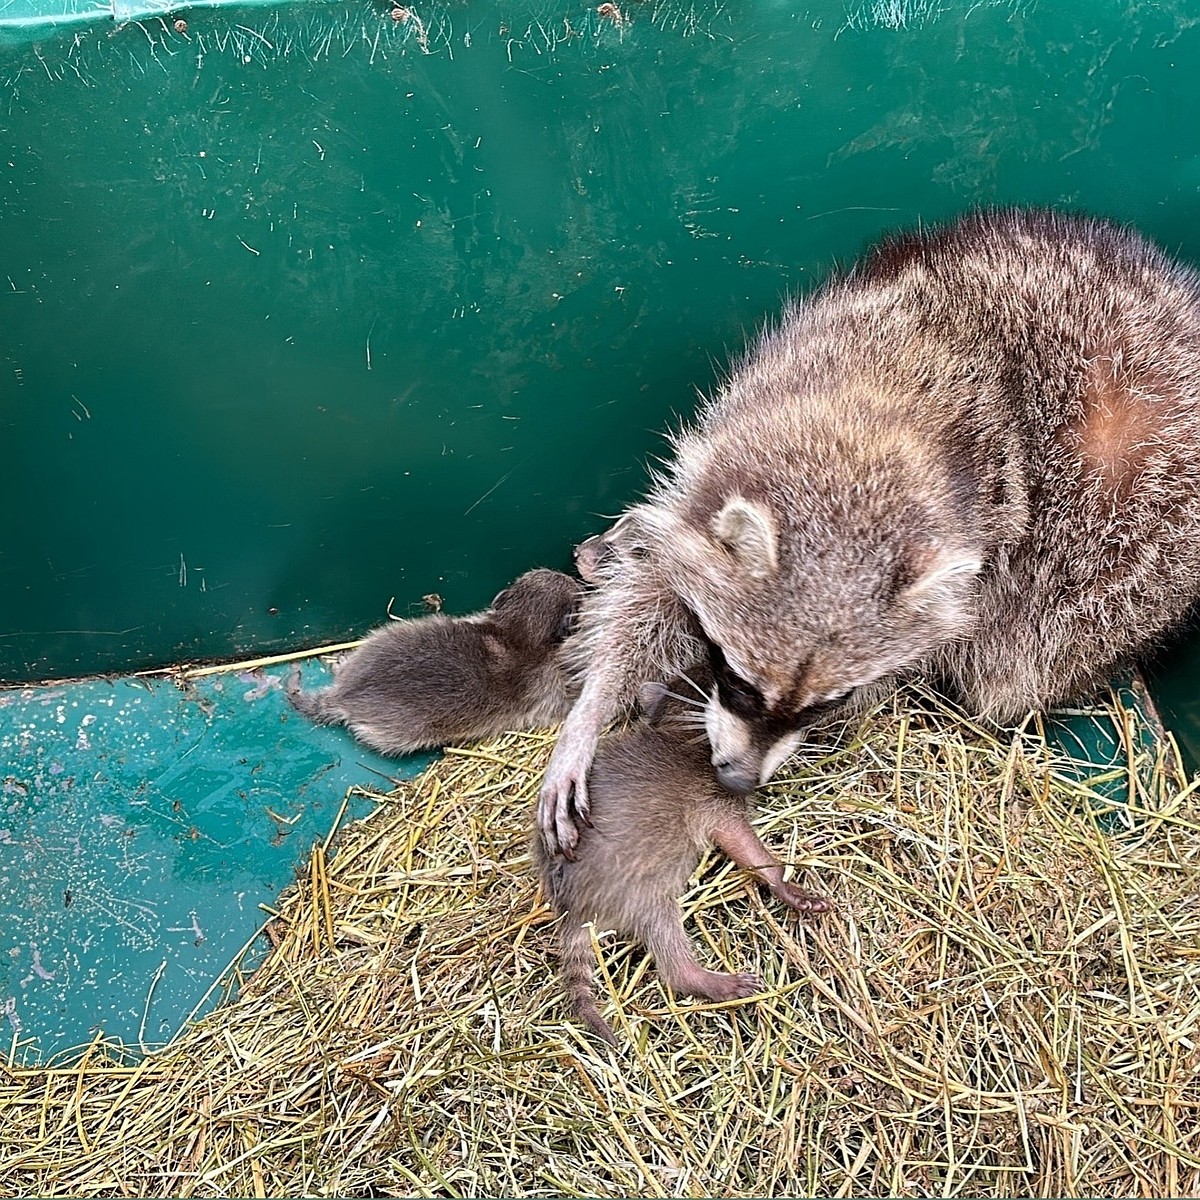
[[265, 684]]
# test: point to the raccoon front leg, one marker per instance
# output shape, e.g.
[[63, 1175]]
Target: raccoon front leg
[[631, 629], [564, 796]]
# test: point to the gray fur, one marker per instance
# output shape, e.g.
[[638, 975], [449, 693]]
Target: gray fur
[[436, 680], [979, 449], [656, 808]]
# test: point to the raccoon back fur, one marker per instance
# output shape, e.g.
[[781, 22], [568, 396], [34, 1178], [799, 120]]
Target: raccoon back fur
[[435, 680], [972, 457]]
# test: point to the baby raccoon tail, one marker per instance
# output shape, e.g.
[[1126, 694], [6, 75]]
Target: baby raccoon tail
[[577, 959], [308, 704], [575, 955]]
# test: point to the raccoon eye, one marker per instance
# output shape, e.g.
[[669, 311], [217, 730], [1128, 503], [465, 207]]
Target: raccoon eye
[[735, 693], [821, 707], [739, 697]]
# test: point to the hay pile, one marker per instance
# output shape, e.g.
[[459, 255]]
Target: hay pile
[[1005, 1003]]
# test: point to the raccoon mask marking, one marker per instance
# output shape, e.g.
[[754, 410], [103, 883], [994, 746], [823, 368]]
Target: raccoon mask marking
[[758, 711], [743, 732]]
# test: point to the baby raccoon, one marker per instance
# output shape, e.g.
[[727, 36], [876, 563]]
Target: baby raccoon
[[972, 458], [656, 808], [435, 680], [598, 555]]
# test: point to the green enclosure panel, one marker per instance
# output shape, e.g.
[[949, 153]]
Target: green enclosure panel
[[142, 824], [312, 308]]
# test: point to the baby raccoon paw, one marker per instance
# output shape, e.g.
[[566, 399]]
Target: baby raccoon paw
[[720, 986], [802, 900]]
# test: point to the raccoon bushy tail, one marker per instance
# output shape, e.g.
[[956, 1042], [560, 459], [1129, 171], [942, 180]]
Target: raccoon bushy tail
[[578, 959]]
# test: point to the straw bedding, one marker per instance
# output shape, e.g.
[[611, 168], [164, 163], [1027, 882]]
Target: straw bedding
[[1003, 1004]]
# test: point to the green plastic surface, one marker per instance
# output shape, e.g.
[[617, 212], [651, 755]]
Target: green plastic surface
[[141, 826], [307, 308]]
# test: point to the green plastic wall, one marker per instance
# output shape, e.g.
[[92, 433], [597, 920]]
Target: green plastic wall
[[307, 308]]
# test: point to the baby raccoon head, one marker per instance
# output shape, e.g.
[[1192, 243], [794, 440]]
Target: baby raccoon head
[[539, 608], [603, 553], [795, 625]]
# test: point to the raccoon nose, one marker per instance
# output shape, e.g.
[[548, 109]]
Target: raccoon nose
[[734, 778]]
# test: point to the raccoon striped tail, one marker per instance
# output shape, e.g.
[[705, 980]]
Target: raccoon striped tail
[[577, 959]]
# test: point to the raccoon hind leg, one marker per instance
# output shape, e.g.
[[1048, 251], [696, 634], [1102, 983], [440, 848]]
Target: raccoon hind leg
[[661, 929], [736, 837], [314, 705]]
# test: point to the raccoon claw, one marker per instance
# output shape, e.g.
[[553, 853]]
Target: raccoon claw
[[561, 803], [802, 900], [746, 984]]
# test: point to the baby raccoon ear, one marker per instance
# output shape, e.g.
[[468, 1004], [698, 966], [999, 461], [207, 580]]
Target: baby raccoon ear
[[747, 531], [652, 699], [567, 624]]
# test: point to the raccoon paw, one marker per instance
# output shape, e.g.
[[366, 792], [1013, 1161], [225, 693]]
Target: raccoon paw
[[562, 802], [720, 986], [801, 899], [689, 978]]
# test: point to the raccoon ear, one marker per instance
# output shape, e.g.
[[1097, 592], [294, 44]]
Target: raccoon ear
[[937, 575], [567, 625], [652, 699], [747, 531]]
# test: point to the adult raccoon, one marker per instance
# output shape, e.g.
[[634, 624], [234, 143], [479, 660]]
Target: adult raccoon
[[973, 456]]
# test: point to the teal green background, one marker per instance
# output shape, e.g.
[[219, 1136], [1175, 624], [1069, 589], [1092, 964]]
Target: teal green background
[[307, 309], [143, 822]]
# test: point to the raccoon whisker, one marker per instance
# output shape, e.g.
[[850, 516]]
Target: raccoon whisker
[[699, 690], [687, 700]]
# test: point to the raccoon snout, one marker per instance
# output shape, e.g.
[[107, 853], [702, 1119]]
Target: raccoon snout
[[735, 777]]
